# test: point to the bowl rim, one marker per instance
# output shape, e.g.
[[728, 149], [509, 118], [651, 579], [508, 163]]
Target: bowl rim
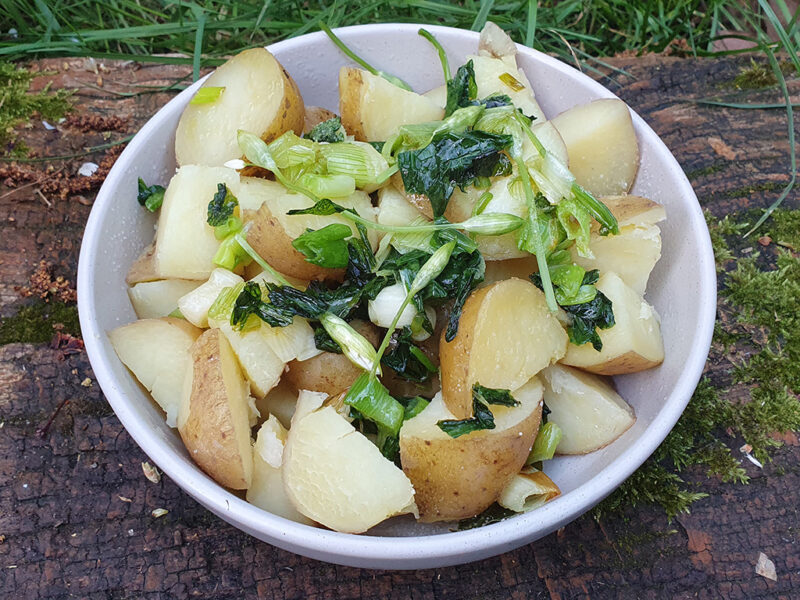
[[383, 551]]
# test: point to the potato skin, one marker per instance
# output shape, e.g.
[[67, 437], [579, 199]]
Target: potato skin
[[329, 372], [291, 115], [630, 362], [270, 240], [351, 82], [144, 267], [314, 116], [206, 423], [458, 478]]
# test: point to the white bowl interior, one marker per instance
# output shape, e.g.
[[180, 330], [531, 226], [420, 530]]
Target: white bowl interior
[[682, 288]]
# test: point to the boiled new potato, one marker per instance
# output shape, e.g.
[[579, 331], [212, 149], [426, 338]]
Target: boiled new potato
[[336, 476], [185, 242], [635, 251], [633, 344], [157, 351], [373, 109], [589, 412], [314, 116], [195, 304], [488, 73], [266, 490], [602, 146], [258, 96], [394, 208], [153, 299], [495, 42], [329, 372], [144, 267], [506, 335], [272, 231], [214, 417], [521, 268], [280, 401], [456, 478]]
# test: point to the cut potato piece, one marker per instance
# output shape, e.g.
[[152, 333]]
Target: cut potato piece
[[632, 254], [373, 109], [506, 335], [438, 96], [259, 96], [157, 351], [195, 304], [214, 415], [394, 208], [328, 372], [314, 116], [272, 232], [266, 490], [602, 146], [488, 73], [144, 267], [549, 137], [185, 243], [633, 210], [279, 401], [589, 412], [153, 299], [457, 478], [632, 344], [527, 490], [337, 477]]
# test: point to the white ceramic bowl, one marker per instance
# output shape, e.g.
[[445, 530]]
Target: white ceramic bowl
[[682, 288]]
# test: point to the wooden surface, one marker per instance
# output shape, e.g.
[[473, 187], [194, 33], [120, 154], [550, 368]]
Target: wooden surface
[[76, 509]]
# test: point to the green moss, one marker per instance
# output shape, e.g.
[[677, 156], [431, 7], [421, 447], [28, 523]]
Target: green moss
[[709, 170], [17, 106], [33, 324], [764, 297], [755, 76]]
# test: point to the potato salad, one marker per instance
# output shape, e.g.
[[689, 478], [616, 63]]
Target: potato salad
[[408, 307]]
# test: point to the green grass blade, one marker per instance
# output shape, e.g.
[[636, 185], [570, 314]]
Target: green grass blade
[[530, 29], [778, 26], [483, 14]]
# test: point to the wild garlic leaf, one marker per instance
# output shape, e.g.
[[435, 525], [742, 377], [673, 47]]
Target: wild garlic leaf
[[461, 89], [401, 358], [587, 318], [249, 302], [493, 396], [221, 207], [326, 247], [150, 196], [327, 131], [321, 208], [482, 418], [455, 159]]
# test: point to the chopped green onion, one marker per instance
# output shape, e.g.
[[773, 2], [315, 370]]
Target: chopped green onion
[[442, 54], [492, 224], [372, 399], [482, 203], [230, 254], [354, 346], [511, 82], [544, 447], [328, 186], [357, 59], [207, 95]]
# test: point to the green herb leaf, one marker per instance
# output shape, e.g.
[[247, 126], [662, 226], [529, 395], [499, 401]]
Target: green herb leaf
[[493, 396], [326, 247], [207, 95], [328, 131], [494, 514], [221, 207], [403, 360], [322, 208], [455, 159], [461, 89], [413, 406], [249, 302], [151, 197]]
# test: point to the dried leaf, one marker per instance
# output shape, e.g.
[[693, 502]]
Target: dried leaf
[[124, 499], [765, 567], [159, 512]]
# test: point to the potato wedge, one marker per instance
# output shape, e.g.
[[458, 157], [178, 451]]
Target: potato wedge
[[633, 344], [395, 209], [336, 476], [195, 304], [506, 335], [633, 210], [495, 42], [272, 231], [589, 412], [157, 351], [602, 146], [214, 415], [521, 268], [153, 299], [144, 267], [185, 243], [456, 478], [279, 401], [488, 73], [266, 490], [259, 96], [372, 109], [328, 372], [314, 116]]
